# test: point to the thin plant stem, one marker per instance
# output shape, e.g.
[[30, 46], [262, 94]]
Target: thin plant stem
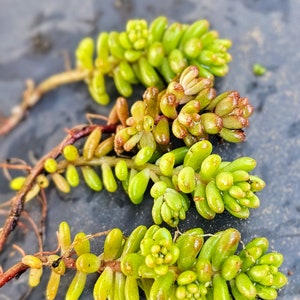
[[17, 201], [33, 94]]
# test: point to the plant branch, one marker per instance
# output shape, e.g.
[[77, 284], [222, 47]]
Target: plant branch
[[13, 272], [19, 268], [112, 161], [18, 200], [33, 94]]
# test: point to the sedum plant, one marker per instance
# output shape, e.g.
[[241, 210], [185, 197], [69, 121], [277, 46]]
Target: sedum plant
[[152, 55], [150, 262], [139, 150], [162, 143]]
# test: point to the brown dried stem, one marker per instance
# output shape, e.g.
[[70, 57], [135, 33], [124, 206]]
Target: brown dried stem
[[33, 94], [17, 202]]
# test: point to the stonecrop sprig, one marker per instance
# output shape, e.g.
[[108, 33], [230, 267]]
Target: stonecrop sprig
[[161, 140], [151, 54], [177, 177], [187, 109], [153, 263]]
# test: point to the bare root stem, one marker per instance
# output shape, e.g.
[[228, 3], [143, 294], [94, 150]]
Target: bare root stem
[[17, 202], [33, 94]]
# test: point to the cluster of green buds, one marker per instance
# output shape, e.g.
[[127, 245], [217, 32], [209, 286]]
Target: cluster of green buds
[[151, 54]]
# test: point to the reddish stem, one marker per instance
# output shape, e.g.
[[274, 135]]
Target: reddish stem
[[14, 272], [18, 200], [18, 269]]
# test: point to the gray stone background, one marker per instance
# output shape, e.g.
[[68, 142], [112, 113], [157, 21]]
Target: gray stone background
[[35, 34]]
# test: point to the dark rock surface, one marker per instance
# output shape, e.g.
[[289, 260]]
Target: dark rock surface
[[34, 34]]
